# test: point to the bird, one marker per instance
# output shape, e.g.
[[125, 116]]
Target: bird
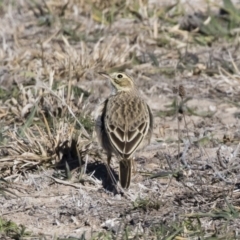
[[123, 123]]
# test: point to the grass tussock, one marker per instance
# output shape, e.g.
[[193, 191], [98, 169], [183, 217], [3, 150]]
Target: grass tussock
[[10, 230]]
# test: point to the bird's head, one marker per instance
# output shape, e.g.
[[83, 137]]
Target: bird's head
[[120, 81]]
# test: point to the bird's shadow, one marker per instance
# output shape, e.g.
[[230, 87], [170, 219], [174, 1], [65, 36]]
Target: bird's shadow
[[69, 157], [100, 172]]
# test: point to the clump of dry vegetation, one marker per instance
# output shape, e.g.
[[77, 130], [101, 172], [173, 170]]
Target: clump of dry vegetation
[[53, 181]]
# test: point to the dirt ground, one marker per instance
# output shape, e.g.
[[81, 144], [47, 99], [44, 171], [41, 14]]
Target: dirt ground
[[185, 183]]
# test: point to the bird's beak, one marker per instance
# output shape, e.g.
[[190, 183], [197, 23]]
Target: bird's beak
[[104, 74]]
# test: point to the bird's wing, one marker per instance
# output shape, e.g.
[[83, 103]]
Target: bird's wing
[[126, 131]]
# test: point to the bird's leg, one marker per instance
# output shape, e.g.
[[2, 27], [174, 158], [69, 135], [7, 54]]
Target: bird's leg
[[109, 156]]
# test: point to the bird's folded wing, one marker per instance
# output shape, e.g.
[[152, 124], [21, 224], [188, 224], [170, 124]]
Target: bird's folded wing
[[127, 141]]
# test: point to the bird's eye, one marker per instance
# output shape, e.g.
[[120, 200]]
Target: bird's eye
[[119, 76]]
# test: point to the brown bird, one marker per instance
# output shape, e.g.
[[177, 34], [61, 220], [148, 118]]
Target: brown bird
[[123, 123]]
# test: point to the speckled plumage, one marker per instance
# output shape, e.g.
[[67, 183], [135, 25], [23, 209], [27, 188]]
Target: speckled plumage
[[123, 123]]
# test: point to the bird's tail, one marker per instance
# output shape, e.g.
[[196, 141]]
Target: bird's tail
[[125, 171]]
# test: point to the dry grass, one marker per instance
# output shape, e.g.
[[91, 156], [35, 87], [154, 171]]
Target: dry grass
[[53, 179]]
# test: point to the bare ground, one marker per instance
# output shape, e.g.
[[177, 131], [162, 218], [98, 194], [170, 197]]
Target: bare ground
[[49, 48]]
